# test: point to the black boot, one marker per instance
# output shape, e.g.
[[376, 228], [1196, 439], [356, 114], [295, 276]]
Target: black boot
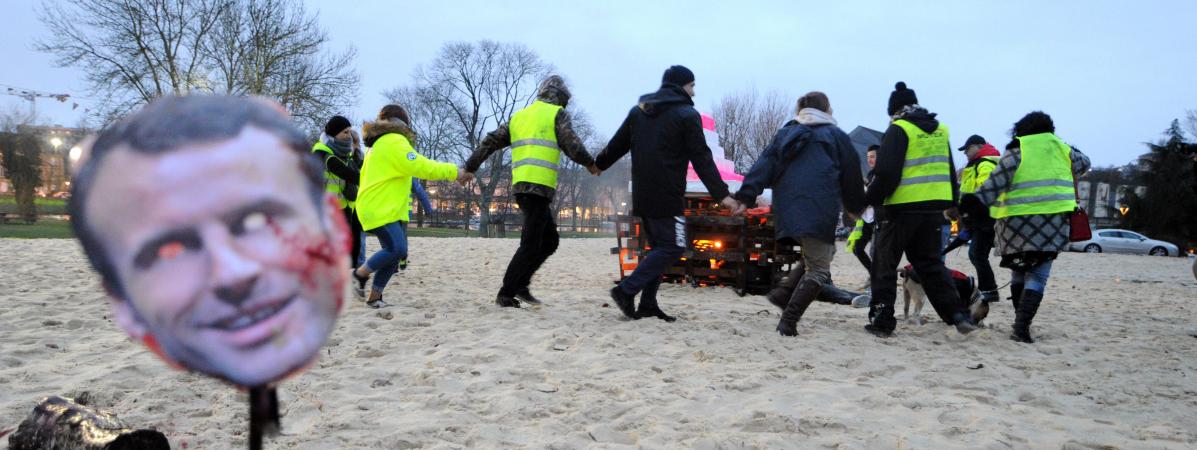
[[648, 304], [506, 301], [524, 295], [1027, 307], [1015, 294], [780, 295], [881, 320], [804, 294], [625, 302]]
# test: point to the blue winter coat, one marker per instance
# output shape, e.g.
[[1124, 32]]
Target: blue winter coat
[[811, 170]]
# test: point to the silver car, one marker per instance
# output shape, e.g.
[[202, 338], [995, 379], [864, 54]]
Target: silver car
[[1123, 241]]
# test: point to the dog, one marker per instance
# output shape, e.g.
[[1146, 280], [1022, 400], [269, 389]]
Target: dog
[[912, 292]]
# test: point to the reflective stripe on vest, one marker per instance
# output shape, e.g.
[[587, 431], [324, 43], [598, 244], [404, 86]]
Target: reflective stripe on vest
[[972, 178], [927, 171], [332, 183], [535, 157], [1042, 183]]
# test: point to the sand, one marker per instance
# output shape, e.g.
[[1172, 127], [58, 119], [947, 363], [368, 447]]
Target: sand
[[445, 368]]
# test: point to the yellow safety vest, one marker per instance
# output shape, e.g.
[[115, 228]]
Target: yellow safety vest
[[332, 183], [975, 175], [927, 171], [1042, 183], [535, 156], [857, 233]]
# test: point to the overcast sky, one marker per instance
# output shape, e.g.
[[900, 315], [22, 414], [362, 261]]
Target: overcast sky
[[1112, 74]]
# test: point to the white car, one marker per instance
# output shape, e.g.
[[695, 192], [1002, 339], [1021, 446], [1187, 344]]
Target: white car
[[1123, 241]]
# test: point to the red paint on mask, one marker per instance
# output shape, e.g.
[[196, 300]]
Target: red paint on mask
[[314, 257]]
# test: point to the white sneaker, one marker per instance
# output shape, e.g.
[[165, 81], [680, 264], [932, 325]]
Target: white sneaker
[[862, 301]]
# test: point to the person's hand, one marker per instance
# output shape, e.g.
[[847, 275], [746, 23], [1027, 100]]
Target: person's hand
[[464, 177], [952, 213], [356, 138], [594, 170], [734, 205]]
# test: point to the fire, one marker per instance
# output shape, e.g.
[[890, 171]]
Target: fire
[[705, 245]]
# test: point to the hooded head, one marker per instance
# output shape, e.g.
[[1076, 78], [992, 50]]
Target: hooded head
[[900, 97], [553, 90]]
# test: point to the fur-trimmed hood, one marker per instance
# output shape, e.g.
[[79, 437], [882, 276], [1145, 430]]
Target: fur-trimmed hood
[[371, 131]]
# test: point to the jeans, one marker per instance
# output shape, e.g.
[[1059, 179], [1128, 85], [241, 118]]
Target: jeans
[[1034, 279], [538, 241], [385, 262], [667, 237], [978, 252]]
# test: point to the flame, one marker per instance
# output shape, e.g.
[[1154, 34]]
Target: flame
[[705, 244]]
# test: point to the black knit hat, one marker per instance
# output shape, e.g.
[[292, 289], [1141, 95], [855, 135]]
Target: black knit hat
[[678, 75], [336, 125], [901, 97]]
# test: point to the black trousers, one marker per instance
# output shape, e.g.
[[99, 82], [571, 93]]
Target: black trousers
[[919, 236], [355, 231], [538, 241], [978, 253], [866, 235]]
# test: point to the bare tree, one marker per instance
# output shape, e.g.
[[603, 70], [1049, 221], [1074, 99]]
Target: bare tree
[[273, 48], [479, 85], [1191, 124], [747, 121], [134, 51], [576, 187]]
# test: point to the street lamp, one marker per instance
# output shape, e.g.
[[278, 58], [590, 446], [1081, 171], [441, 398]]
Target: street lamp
[[56, 142], [75, 153]]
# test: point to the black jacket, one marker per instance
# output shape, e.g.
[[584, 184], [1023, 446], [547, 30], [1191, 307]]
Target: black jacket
[[811, 170], [664, 133], [888, 171]]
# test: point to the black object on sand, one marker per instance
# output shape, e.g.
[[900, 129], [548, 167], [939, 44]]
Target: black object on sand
[[59, 423]]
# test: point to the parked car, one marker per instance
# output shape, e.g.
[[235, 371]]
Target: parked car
[[1123, 241]]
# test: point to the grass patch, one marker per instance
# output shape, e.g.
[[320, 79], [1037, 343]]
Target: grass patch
[[43, 229], [511, 234], [61, 229]]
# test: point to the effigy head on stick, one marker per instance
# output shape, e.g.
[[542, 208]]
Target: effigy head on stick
[[208, 222]]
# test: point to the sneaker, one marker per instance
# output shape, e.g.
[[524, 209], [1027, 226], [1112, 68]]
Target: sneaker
[[360, 288], [525, 296], [862, 301], [403, 264], [964, 324], [378, 303], [506, 302]]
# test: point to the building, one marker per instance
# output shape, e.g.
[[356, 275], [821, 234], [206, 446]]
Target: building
[[56, 159], [862, 138]]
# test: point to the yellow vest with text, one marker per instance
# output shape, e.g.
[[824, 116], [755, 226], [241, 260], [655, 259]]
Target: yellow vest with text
[[927, 171], [535, 157], [1042, 183], [975, 175], [332, 183]]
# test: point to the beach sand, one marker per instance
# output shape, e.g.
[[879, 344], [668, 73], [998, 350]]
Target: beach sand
[[445, 368]]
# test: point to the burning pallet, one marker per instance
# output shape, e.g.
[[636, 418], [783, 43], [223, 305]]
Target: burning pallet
[[740, 252]]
